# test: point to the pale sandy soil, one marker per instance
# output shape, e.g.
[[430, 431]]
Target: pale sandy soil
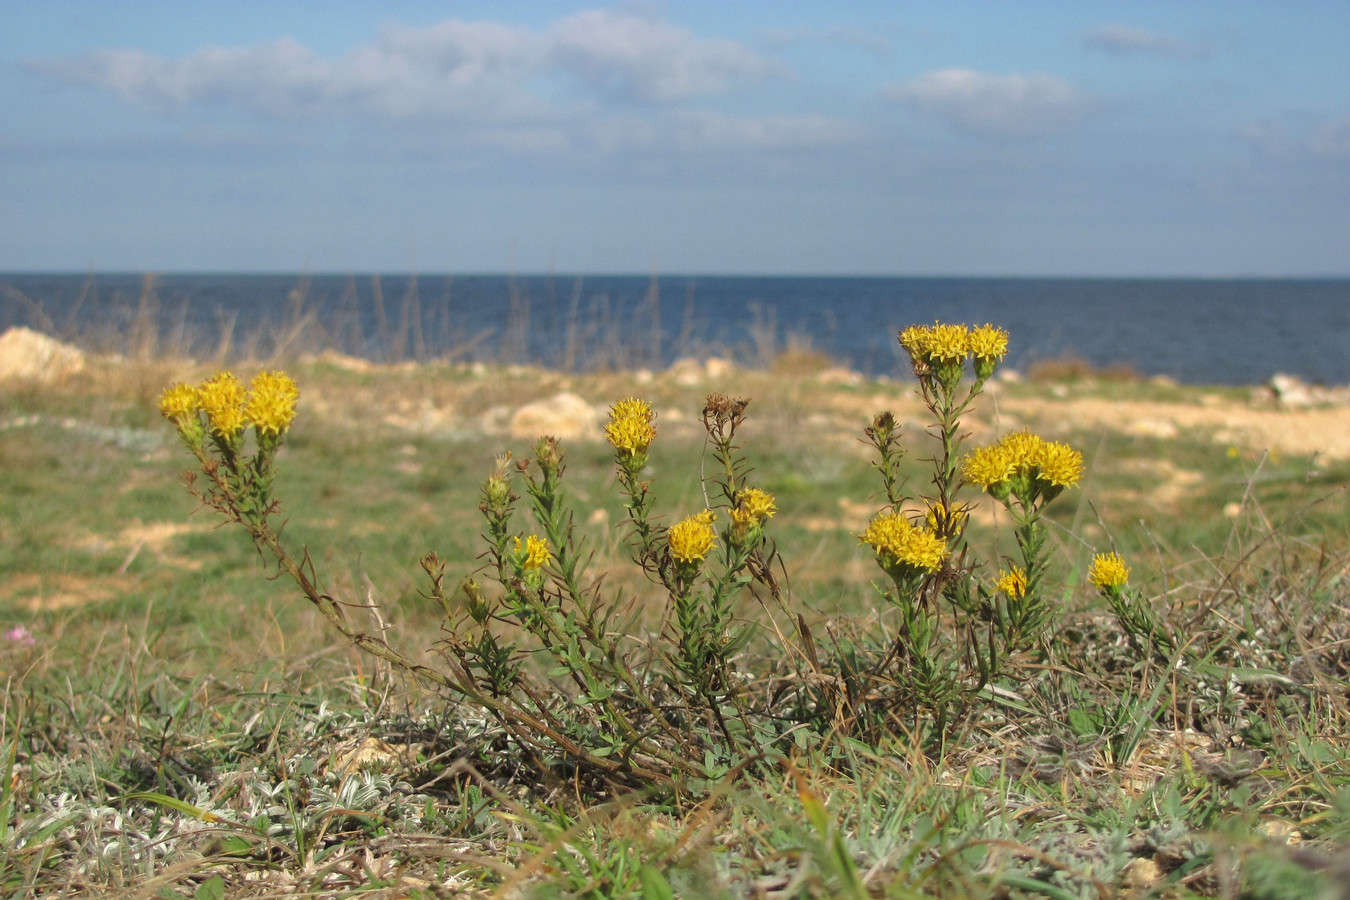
[[1321, 432], [835, 404]]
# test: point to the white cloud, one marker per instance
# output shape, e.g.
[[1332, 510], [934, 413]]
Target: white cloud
[[593, 85], [440, 70], [646, 59], [393, 76], [1126, 41], [209, 73], [1320, 140], [1012, 105]]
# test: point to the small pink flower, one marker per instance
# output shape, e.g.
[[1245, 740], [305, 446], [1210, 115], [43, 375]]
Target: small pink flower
[[21, 634]]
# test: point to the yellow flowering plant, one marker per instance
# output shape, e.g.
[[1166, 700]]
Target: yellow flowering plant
[[702, 591], [904, 551], [531, 556], [224, 410], [690, 540], [1023, 472], [942, 356], [753, 507], [630, 431], [561, 665], [544, 590], [483, 663], [923, 554], [221, 398], [1109, 574], [956, 632], [1013, 583], [911, 555]]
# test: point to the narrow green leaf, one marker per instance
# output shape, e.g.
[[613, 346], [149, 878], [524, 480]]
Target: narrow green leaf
[[173, 803], [654, 884], [236, 845], [1035, 886], [212, 888]]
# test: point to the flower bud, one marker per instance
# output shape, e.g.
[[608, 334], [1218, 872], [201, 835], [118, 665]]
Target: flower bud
[[548, 452]]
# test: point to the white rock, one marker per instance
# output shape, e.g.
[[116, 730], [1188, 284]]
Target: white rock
[[686, 371], [716, 367], [565, 416], [29, 355], [1291, 391]]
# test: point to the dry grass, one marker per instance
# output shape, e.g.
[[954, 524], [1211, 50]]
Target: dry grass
[[1074, 368]]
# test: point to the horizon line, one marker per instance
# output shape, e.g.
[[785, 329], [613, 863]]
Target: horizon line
[[657, 275]]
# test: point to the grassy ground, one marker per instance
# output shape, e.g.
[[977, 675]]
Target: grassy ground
[[175, 724]]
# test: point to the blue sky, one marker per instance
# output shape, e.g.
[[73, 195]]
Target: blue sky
[[1207, 138]]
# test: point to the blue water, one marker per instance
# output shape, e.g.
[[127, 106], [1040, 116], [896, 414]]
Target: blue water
[[1196, 331]]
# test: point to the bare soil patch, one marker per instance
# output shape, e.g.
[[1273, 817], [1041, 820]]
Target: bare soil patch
[[1304, 432]]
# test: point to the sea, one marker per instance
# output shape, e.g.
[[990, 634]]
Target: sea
[[1195, 331]]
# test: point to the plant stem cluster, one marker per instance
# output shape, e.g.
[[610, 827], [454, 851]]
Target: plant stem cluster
[[580, 682]]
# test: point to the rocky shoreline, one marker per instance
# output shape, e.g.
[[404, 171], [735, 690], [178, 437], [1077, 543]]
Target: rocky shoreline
[[1285, 415]]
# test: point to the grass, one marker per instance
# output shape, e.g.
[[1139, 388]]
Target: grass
[[182, 726]]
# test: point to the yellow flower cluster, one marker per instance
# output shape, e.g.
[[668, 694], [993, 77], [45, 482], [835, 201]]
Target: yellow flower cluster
[[753, 506], [690, 539], [988, 342], [898, 542], [268, 403], [1060, 464], [630, 429], [271, 402], [1108, 572], [178, 402], [221, 397], [938, 345], [533, 553], [1027, 455], [1013, 583]]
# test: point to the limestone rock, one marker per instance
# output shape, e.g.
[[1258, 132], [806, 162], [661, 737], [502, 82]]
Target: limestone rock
[[29, 355], [716, 367], [564, 415], [1290, 391], [686, 371]]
